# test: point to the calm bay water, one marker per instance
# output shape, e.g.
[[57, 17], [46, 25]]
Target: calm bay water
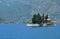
[[21, 31]]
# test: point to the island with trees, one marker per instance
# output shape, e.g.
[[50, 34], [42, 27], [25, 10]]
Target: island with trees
[[40, 20]]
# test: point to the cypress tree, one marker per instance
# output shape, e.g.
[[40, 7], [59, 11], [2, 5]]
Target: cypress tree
[[43, 18], [46, 17], [39, 18], [34, 19]]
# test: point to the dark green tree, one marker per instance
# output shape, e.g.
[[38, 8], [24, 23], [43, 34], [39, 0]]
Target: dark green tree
[[38, 16], [46, 17], [39, 20], [34, 19], [43, 18]]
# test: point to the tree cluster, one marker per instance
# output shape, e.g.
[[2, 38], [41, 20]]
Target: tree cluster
[[38, 19]]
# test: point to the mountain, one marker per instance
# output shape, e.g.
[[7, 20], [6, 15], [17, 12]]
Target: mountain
[[22, 10]]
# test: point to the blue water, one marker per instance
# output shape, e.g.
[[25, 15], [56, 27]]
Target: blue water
[[21, 31]]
